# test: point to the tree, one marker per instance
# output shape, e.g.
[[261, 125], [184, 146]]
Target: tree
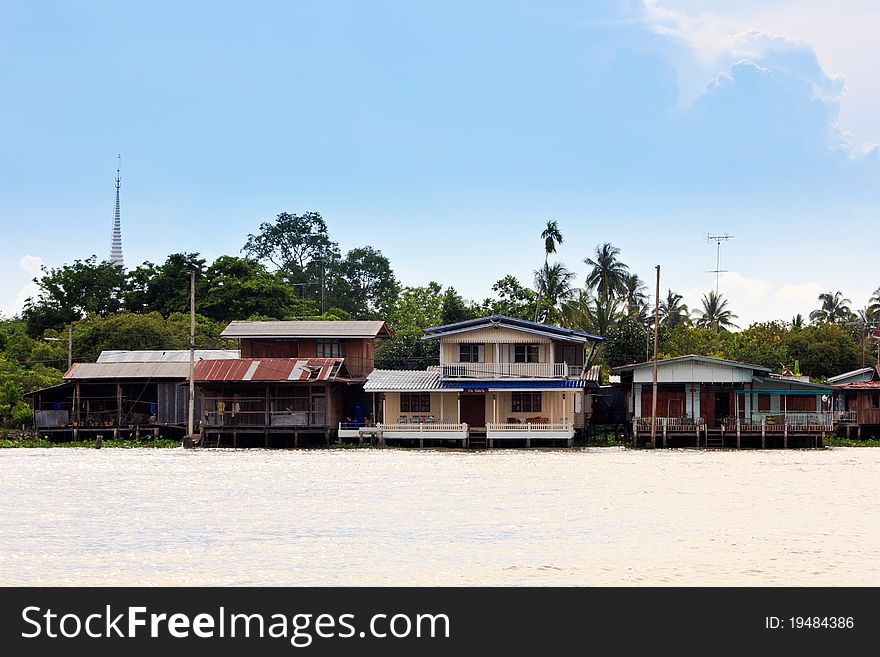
[[834, 310], [553, 283], [240, 288], [591, 313], [824, 349], [715, 314], [636, 297], [364, 284], [416, 308], [874, 304], [797, 322], [551, 236], [454, 309], [512, 299], [673, 312], [294, 244], [608, 275], [165, 288], [71, 292], [626, 342]]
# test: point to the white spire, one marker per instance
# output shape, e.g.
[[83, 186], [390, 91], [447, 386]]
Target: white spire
[[116, 237]]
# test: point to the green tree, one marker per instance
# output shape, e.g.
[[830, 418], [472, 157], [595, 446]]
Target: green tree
[[715, 314], [824, 349], [551, 236], [553, 283], [763, 343], [416, 308], [608, 274], [673, 312], [73, 291], [636, 298], [512, 300], [240, 288], [165, 288], [834, 309], [797, 322], [364, 284], [626, 342], [454, 308]]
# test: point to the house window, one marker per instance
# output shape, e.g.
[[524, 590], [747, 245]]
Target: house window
[[470, 353], [525, 353], [875, 400], [763, 403], [415, 402], [330, 349], [526, 402]]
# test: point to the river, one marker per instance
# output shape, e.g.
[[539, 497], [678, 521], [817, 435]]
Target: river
[[603, 517]]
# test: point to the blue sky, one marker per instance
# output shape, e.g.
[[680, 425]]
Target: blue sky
[[447, 133]]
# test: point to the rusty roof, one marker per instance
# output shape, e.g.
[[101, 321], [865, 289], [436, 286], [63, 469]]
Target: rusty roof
[[271, 369], [155, 370]]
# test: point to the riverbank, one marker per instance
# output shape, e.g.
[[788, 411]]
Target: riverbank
[[31, 442]]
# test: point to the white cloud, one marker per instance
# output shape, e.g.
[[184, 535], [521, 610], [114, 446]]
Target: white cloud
[[757, 300], [30, 266]]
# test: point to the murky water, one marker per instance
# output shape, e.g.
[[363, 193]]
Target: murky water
[[389, 517]]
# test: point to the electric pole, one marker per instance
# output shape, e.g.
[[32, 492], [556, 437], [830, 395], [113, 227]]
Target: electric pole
[[190, 422], [69, 346], [654, 373]]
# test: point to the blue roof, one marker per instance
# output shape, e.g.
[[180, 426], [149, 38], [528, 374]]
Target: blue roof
[[513, 385], [495, 320]]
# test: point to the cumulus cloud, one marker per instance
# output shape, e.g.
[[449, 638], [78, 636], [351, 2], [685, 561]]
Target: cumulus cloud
[[31, 266]]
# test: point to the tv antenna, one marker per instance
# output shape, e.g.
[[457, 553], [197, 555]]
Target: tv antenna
[[718, 271]]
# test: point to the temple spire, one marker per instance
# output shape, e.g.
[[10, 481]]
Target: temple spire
[[116, 237]]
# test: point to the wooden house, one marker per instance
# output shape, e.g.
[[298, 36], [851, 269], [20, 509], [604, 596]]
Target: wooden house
[[499, 381], [294, 381], [720, 403], [857, 401]]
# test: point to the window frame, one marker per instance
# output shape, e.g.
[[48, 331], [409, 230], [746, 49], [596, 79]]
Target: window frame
[[523, 352], [415, 402], [526, 402]]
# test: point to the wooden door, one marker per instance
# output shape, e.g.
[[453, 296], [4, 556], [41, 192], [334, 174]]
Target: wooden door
[[473, 410]]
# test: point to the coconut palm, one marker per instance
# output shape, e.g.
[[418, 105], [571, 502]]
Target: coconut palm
[[608, 275], [797, 322], [551, 236], [835, 309], [715, 313], [586, 311], [636, 297], [874, 304], [673, 312], [553, 283]]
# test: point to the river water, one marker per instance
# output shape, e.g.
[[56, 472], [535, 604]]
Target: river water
[[604, 517]]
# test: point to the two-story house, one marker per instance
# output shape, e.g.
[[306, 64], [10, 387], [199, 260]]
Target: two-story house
[[295, 380], [499, 379]]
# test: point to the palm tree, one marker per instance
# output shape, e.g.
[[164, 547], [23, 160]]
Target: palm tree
[[835, 309], [553, 283], [874, 304], [715, 313], [551, 236], [587, 312], [636, 298], [797, 322], [608, 275], [673, 312]]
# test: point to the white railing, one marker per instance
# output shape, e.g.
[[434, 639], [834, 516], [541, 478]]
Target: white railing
[[502, 370], [425, 427], [528, 426], [776, 421], [845, 416]]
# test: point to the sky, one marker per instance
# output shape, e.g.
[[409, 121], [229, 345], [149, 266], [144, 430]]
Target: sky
[[446, 134]]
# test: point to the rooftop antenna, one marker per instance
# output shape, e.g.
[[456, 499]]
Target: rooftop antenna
[[718, 271]]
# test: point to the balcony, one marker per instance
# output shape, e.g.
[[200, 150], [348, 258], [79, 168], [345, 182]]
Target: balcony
[[510, 371]]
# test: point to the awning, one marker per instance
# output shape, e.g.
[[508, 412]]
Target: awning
[[787, 393], [514, 385]]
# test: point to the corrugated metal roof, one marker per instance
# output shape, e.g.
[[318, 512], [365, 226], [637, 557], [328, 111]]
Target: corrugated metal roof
[[403, 380], [850, 375], [701, 359], [128, 371], [861, 385], [271, 369], [495, 384], [436, 332], [166, 356], [305, 329]]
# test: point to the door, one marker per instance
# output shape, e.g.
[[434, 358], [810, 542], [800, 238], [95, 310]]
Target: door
[[722, 406], [473, 410]]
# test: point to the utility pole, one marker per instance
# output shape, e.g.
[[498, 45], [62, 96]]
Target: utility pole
[[718, 239], [190, 422], [654, 373], [69, 346], [322, 286]]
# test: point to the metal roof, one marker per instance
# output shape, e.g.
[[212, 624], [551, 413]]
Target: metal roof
[[167, 356], [859, 372], [403, 381], [794, 382], [128, 371], [495, 384], [306, 329], [437, 332], [693, 357], [271, 369]]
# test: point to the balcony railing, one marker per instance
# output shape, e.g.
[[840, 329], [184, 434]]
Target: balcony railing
[[670, 424], [423, 427], [528, 426], [780, 421], [846, 416], [510, 370]]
